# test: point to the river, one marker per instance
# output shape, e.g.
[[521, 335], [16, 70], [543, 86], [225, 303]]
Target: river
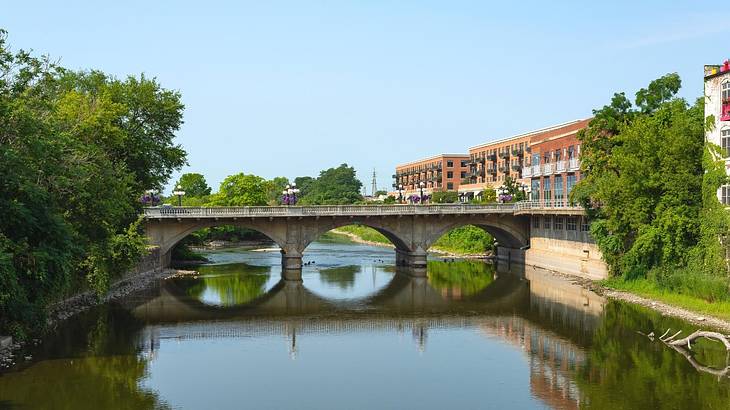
[[357, 333]]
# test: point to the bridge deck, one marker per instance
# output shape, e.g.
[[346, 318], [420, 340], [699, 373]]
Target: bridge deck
[[519, 208]]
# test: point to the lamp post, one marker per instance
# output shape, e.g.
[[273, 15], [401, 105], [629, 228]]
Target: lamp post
[[179, 192], [290, 194], [421, 185], [400, 193]]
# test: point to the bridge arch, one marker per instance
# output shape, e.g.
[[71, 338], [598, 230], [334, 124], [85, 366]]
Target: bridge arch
[[506, 234]]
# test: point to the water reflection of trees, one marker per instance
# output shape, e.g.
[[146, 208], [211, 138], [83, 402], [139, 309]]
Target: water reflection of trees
[[460, 278], [95, 363], [341, 276], [626, 370], [233, 284]]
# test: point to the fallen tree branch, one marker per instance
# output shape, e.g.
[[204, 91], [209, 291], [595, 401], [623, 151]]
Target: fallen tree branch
[[719, 337]]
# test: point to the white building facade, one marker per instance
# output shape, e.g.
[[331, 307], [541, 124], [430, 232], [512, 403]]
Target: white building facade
[[717, 104]]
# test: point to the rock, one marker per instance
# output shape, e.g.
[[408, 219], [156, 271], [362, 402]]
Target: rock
[[28, 357], [701, 318], [5, 342]]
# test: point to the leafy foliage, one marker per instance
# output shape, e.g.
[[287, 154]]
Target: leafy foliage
[[194, 185], [650, 188], [241, 190], [333, 186], [77, 150], [445, 197]]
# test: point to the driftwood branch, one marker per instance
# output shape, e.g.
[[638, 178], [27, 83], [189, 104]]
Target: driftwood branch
[[680, 344]]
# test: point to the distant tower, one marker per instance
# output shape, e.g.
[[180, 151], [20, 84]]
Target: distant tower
[[375, 185]]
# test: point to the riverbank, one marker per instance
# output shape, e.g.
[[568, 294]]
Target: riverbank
[[696, 317], [374, 241], [81, 302]]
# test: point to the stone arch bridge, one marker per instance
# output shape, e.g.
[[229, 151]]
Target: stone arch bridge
[[412, 229]]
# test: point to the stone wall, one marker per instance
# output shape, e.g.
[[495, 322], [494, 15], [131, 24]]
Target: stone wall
[[154, 260], [566, 251]]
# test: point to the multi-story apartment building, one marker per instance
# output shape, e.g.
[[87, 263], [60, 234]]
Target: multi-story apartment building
[[491, 163], [522, 158], [717, 104], [438, 173], [553, 167]]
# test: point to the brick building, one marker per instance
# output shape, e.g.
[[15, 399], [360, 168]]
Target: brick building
[[717, 104], [553, 166], [438, 173]]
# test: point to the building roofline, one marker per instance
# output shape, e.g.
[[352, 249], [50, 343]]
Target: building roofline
[[431, 158], [528, 134]]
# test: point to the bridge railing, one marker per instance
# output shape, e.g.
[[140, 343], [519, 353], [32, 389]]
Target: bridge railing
[[353, 210], [323, 210], [559, 204]]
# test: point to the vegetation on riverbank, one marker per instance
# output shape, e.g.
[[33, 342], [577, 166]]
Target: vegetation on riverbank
[[650, 189], [466, 240], [78, 149]]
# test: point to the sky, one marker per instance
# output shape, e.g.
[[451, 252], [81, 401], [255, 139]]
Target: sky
[[289, 88]]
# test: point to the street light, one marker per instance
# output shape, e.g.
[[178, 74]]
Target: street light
[[290, 194], [179, 192], [400, 193], [421, 184]]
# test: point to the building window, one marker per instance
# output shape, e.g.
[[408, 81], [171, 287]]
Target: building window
[[558, 190], [546, 193], [463, 163], [449, 164], [584, 226], [536, 222], [449, 174], [558, 223], [535, 190], [725, 138], [570, 182], [725, 195], [463, 174], [547, 221], [726, 92], [449, 185], [570, 223]]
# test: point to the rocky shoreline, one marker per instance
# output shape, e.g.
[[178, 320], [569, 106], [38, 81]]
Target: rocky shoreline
[[689, 316]]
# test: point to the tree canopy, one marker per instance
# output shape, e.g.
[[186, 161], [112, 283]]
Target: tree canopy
[[194, 185], [241, 190], [78, 149], [333, 186], [646, 186]]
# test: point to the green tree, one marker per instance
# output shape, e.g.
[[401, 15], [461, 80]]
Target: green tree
[[241, 190], [333, 186], [71, 174], [445, 197], [194, 185], [651, 199], [274, 189]]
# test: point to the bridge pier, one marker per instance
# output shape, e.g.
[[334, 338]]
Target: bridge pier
[[291, 265], [416, 259]]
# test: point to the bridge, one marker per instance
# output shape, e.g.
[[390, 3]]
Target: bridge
[[412, 229]]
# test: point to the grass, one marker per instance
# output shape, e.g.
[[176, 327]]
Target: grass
[[649, 289], [467, 240]]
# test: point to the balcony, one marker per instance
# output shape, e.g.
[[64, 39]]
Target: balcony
[[491, 170], [518, 152], [504, 154], [573, 164], [504, 169], [526, 172], [547, 169], [516, 167], [536, 171], [491, 156], [560, 166]]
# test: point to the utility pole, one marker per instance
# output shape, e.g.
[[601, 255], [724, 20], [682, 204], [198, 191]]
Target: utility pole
[[375, 185]]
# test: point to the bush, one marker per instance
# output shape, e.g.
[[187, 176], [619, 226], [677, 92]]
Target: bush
[[445, 197]]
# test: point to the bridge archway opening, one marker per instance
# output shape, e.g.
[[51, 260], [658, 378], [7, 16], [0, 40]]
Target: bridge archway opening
[[362, 232], [465, 239]]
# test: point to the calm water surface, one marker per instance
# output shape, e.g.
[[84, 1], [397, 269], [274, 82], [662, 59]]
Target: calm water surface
[[356, 334]]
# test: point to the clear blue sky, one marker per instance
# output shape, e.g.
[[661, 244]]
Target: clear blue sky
[[287, 88]]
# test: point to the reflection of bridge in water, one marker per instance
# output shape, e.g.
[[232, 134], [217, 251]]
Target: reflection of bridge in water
[[550, 320]]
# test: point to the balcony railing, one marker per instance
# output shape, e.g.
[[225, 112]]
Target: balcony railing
[[560, 166], [526, 172], [504, 154], [573, 164], [491, 170], [491, 156], [547, 169], [536, 171], [518, 152], [516, 167]]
